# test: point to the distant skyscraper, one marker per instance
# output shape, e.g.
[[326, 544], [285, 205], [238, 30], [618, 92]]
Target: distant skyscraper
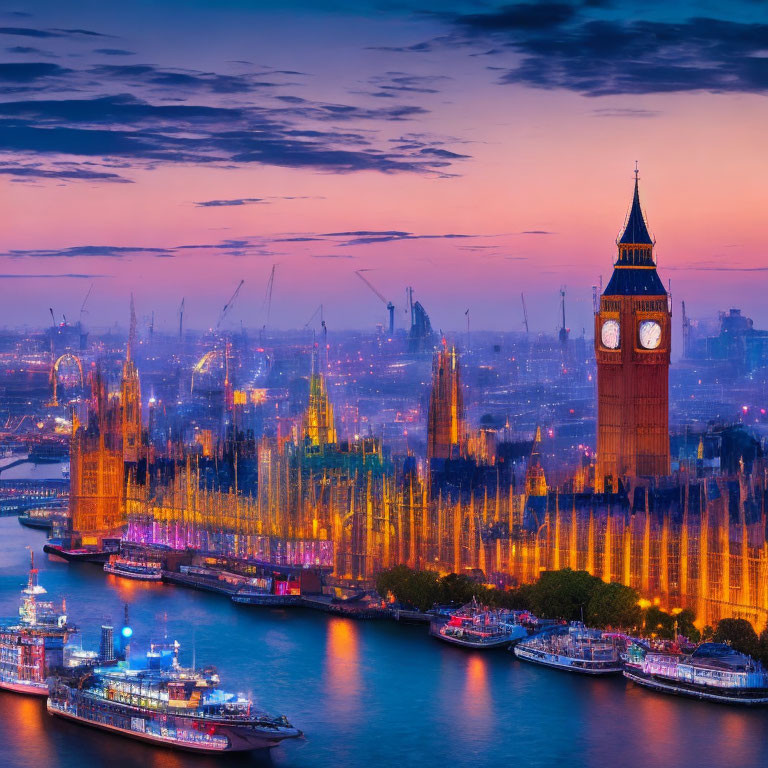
[[420, 337], [107, 643], [632, 346], [445, 428]]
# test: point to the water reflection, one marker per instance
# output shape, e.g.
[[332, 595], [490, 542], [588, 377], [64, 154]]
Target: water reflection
[[476, 692], [129, 589], [656, 726], [477, 704], [24, 718], [342, 662]]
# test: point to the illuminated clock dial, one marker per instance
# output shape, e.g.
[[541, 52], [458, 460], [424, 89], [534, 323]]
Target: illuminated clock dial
[[609, 334], [650, 334]]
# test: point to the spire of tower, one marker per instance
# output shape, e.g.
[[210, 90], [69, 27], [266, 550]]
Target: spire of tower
[[535, 479], [636, 229], [131, 332], [314, 361]]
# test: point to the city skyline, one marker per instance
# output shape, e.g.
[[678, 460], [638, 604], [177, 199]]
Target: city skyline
[[367, 366], [466, 150]]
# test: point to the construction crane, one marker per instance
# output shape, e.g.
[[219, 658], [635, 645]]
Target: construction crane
[[228, 306], [390, 305], [82, 306], [525, 313], [268, 295], [466, 314], [314, 315], [181, 317]]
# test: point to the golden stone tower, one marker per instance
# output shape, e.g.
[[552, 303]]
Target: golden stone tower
[[445, 427]]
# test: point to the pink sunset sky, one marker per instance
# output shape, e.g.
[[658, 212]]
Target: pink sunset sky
[[173, 149]]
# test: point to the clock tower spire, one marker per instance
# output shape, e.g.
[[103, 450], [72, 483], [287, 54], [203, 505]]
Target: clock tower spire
[[632, 347]]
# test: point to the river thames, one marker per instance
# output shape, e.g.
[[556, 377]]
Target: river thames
[[364, 693]]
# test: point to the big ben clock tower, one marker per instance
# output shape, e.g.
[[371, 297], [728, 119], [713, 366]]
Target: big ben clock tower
[[632, 347]]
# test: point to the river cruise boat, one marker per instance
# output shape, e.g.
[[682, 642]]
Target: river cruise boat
[[713, 672], [33, 645], [166, 705], [475, 626], [252, 596], [574, 648], [128, 568]]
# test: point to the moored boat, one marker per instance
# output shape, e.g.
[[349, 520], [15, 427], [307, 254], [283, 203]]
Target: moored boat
[[713, 672], [33, 645], [475, 626], [134, 569], [84, 554], [574, 648], [168, 706], [249, 596]]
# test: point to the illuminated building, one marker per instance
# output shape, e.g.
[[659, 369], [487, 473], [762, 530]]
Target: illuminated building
[[445, 426], [632, 346], [97, 470], [699, 542], [107, 643]]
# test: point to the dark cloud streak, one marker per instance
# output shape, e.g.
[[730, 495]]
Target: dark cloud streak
[[566, 46]]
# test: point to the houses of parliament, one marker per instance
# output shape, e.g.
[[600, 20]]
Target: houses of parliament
[[477, 502]]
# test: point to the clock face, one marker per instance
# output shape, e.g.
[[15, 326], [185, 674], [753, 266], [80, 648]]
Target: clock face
[[650, 334], [609, 334]]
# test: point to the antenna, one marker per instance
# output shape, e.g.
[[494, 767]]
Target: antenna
[[563, 335], [562, 302]]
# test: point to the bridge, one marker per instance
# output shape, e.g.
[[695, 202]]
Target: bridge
[[18, 496]]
